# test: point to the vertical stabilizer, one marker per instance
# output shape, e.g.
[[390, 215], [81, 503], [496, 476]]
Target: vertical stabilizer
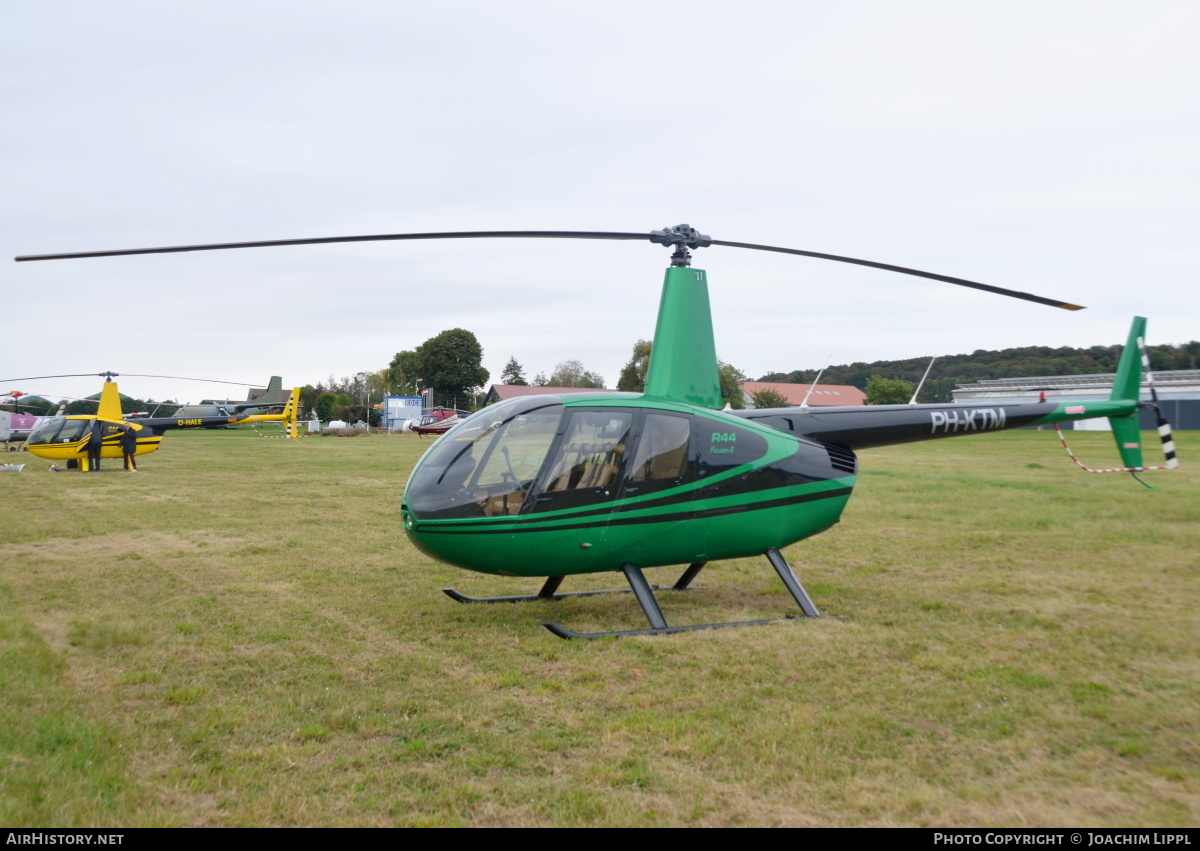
[[275, 393], [1127, 388], [1128, 385], [289, 413]]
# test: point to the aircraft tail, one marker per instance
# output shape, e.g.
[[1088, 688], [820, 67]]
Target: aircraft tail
[[1128, 388], [275, 394], [290, 409], [287, 418], [1133, 367], [274, 397]]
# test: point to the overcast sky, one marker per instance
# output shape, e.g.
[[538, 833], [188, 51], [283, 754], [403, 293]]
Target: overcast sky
[[1049, 147]]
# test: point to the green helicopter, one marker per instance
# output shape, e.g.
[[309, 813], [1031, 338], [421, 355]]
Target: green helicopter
[[555, 486]]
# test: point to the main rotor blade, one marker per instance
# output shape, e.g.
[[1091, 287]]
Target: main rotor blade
[[962, 282], [548, 234], [325, 240], [120, 374], [185, 378], [40, 377]]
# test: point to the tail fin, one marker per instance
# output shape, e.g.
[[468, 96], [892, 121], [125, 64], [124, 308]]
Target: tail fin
[[1135, 364], [1128, 387], [287, 419], [290, 409], [274, 396]]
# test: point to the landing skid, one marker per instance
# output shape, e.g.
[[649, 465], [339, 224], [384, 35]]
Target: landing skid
[[644, 593], [552, 583], [563, 632]]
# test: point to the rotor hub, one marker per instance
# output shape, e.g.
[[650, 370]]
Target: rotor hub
[[683, 237]]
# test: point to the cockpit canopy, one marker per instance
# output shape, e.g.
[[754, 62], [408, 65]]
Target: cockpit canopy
[[59, 430], [533, 455]]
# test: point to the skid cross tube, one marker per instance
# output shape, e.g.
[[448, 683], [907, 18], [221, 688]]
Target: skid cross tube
[[688, 575]]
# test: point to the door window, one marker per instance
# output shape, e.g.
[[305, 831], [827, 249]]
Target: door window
[[589, 460], [661, 459]]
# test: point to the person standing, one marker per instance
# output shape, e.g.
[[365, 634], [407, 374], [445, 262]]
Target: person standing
[[129, 448], [95, 444]]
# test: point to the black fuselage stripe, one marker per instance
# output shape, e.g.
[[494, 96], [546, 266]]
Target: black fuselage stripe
[[477, 527]]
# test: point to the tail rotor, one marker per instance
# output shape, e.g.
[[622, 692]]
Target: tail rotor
[[1134, 367], [1162, 426]]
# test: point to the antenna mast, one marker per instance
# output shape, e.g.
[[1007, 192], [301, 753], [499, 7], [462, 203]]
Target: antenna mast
[[913, 400], [804, 404]]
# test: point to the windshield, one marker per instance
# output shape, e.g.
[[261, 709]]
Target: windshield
[[486, 465], [44, 431], [47, 431]]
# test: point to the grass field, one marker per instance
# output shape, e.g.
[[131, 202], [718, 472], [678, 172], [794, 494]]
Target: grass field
[[240, 634]]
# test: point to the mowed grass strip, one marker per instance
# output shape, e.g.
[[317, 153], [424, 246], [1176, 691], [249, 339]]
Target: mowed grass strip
[[240, 634]]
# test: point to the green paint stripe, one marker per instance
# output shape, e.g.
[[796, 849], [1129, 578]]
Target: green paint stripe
[[743, 501]]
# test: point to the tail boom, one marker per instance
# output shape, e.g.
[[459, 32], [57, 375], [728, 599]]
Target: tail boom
[[884, 425]]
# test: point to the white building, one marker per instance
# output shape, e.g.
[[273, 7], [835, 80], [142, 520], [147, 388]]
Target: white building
[[1178, 393]]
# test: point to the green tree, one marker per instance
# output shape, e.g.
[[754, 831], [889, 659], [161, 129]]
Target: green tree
[[633, 374], [35, 405], [80, 406], [87, 405], [513, 373], [378, 385], [452, 364], [308, 398], [344, 408], [768, 398], [571, 373], [731, 384], [402, 374], [325, 405], [888, 391]]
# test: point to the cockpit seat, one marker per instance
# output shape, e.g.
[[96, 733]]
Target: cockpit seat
[[591, 465], [503, 504]]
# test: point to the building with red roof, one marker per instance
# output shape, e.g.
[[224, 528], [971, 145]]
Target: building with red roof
[[822, 396]]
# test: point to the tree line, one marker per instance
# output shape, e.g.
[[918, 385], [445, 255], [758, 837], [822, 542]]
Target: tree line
[[41, 406], [451, 365], [951, 370]]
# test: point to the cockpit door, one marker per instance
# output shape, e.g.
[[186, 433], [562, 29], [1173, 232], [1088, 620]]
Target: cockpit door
[[587, 460], [650, 521]]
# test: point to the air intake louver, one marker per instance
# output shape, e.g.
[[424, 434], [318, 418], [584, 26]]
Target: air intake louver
[[842, 459]]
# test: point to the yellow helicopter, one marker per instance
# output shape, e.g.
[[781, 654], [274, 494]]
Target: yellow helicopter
[[66, 438]]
